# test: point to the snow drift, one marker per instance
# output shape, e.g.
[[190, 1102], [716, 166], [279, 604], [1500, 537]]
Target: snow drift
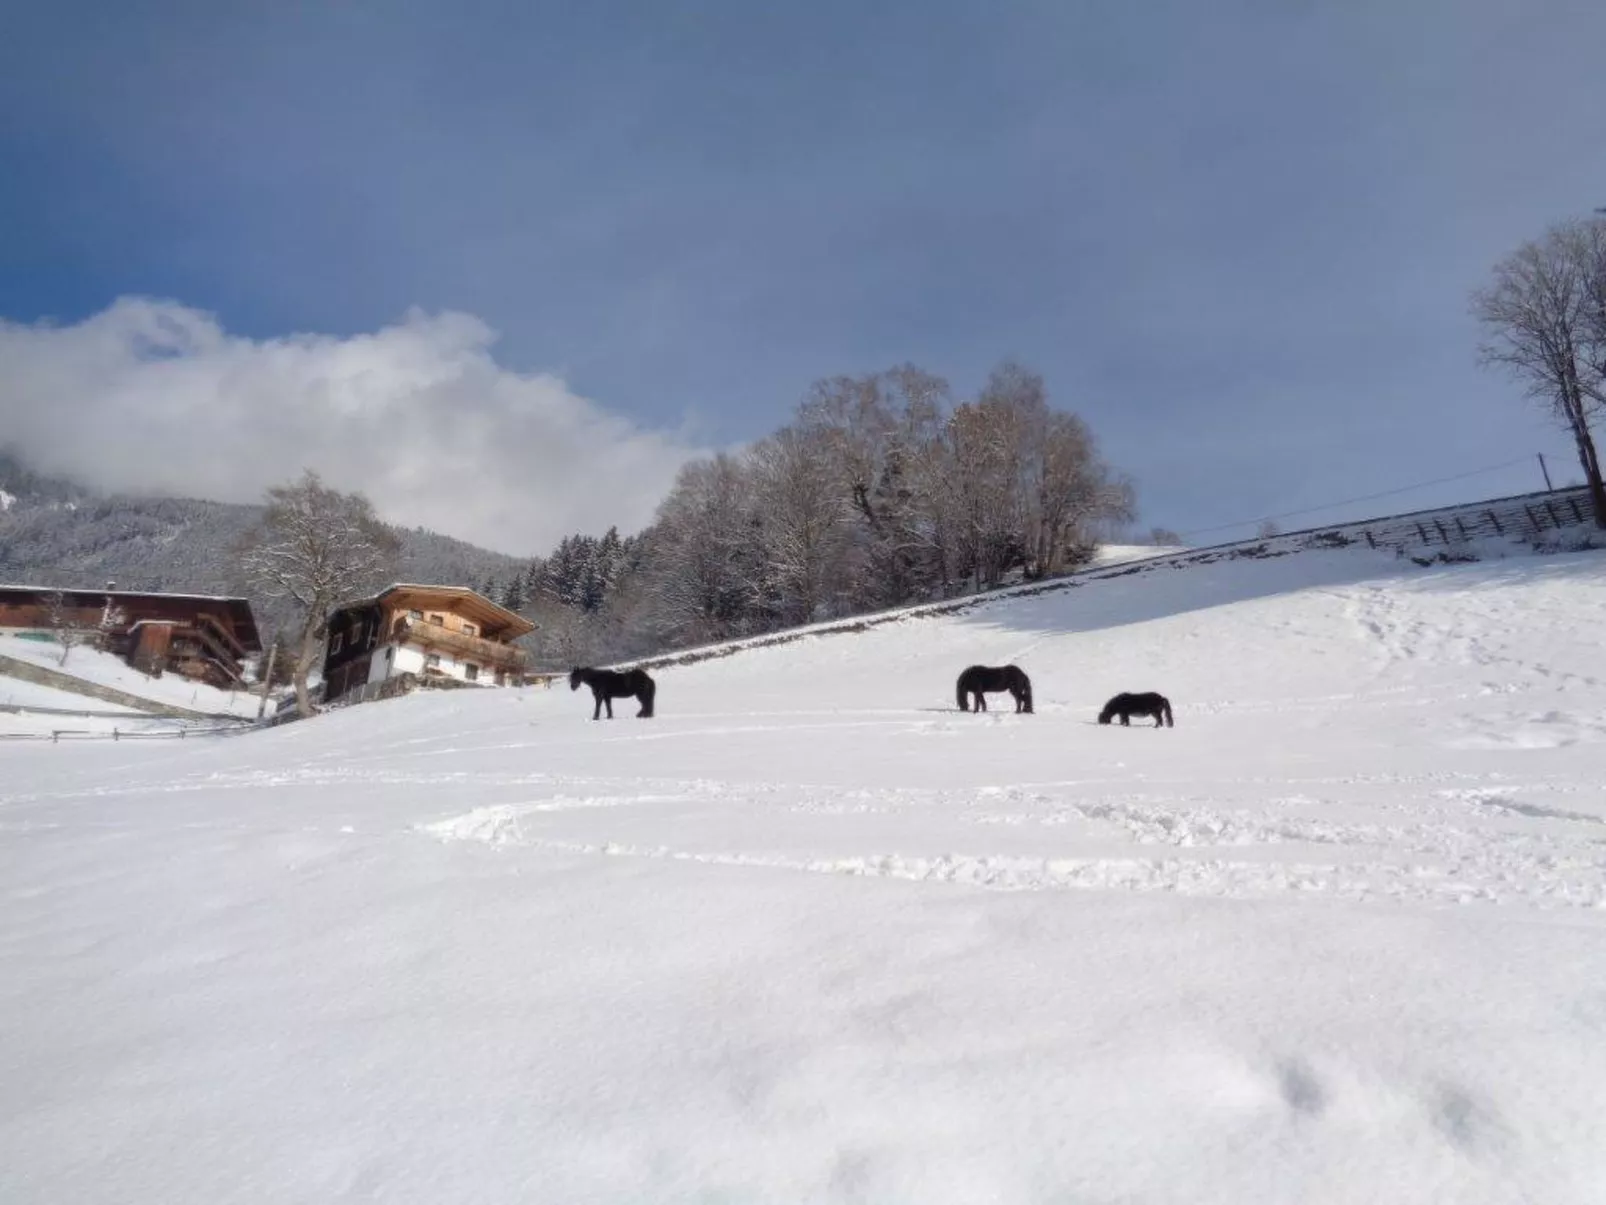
[[812, 934]]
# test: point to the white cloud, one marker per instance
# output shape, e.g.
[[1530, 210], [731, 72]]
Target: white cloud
[[153, 396]]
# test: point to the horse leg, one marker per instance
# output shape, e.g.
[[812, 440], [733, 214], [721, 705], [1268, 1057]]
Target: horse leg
[[607, 701], [1126, 719], [596, 710]]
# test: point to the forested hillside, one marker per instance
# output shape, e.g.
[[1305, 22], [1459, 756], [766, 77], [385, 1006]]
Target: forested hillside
[[63, 534]]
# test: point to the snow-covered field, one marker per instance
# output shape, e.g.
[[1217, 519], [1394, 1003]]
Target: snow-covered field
[[106, 669], [813, 935]]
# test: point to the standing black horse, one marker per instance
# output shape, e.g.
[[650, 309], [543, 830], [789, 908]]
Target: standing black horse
[[1126, 706], [978, 680], [607, 685]]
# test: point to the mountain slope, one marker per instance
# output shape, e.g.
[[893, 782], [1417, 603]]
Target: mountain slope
[[56, 532], [813, 934]]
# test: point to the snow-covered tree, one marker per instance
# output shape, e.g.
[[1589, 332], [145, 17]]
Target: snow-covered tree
[[513, 593], [802, 515], [316, 547], [64, 622], [113, 619], [705, 574], [1544, 321]]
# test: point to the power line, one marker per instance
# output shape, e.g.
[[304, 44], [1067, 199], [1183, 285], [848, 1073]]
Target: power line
[[1404, 489]]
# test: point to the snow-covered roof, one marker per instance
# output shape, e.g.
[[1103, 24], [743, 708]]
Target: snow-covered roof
[[100, 593]]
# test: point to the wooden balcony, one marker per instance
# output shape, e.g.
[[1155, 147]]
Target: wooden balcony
[[508, 658]]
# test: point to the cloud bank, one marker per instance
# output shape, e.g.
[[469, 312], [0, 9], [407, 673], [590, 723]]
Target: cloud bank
[[155, 397]]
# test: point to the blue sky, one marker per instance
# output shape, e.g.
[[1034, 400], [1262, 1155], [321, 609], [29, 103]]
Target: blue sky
[[1237, 237]]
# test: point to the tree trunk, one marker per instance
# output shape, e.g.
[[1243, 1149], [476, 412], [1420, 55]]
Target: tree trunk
[[304, 662], [1588, 459], [1597, 489]]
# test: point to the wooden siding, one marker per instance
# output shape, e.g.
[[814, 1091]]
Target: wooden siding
[[205, 638]]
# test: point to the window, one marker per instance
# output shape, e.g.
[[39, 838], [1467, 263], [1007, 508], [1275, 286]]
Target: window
[[432, 660], [415, 615], [471, 672], [438, 620], [356, 633], [470, 630], [334, 645]]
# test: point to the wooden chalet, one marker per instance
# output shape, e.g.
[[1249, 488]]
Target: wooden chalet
[[204, 637], [433, 634]]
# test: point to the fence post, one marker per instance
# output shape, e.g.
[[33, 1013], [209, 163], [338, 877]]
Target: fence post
[[1552, 511], [1578, 515], [1443, 539], [1461, 527], [1495, 519], [1539, 524], [116, 735], [1422, 532], [1369, 538], [55, 736]]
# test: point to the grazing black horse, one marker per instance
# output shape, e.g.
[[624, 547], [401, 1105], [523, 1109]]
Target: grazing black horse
[[1127, 706], [980, 679], [607, 685]]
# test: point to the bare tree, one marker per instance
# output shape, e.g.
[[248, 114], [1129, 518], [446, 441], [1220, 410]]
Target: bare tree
[[1544, 322], [316, 547], [1164, 537], [1589, 248], [879, 493], [1033, 482], [703, 557], [64, 622], [802, 514], [113, 619], [880, 434]]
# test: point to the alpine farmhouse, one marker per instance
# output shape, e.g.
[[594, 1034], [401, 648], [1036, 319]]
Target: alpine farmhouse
[[428, 635]]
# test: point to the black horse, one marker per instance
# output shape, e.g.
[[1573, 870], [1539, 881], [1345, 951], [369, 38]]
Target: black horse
[[607, 685], [978, 680], [1127, 706]]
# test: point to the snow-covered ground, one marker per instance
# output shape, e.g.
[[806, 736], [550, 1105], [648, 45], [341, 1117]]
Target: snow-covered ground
[[1120, 554], [107, 669], [28, 709], [812, 934], [15, 692]]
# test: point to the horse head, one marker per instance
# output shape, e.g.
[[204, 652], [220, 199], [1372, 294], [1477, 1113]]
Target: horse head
[[576, 678]]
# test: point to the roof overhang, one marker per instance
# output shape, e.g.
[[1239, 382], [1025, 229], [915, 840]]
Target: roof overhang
[[460, 599]]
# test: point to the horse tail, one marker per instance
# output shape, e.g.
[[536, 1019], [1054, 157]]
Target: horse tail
[[959, 694], [1165, 707], [1026, 689], [649, 689]]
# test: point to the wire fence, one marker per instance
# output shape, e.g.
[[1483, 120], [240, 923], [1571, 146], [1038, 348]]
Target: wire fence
[[56, 735]]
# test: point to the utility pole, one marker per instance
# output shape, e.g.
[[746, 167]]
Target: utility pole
[[267, 680], [1546, 472]]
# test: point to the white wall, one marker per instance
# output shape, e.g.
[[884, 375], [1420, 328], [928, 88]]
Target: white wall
[[410, 660]]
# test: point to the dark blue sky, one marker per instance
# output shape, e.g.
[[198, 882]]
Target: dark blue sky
[[1238, 237]]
